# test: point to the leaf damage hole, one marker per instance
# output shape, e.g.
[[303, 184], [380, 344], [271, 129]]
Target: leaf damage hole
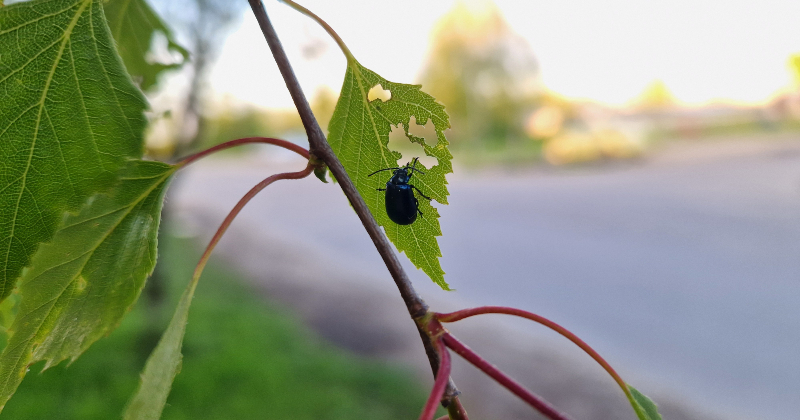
[[399, 142], [426, 131], [378, 92]]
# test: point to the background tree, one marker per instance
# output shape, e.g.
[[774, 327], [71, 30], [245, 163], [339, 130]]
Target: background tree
[[484, 73]]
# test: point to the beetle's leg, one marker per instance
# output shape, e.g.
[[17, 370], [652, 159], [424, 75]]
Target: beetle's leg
[[420, 193], [381, 189], [416, 202]]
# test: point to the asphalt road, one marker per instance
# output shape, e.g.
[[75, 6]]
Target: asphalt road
[[683, 268]]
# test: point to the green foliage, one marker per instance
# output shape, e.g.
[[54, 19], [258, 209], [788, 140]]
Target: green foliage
[[359, 135], [485, 74], [644, 407], [280, 371], [81, 284], [134, 25], [71, 116], [8, 310], [162, 365], [794, 67]]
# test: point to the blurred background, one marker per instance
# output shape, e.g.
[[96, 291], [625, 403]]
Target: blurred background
[[524, 83], [628, 169]]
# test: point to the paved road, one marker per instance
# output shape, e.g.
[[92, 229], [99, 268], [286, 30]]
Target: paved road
[[683, 269]]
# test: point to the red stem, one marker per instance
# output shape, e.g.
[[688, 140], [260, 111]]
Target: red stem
[[247, 140], [442, 376], [535, 401], [466, 313], [238, 207]]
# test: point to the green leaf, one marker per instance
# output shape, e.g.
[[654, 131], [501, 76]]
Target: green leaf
[[644, 407], [8, 311], [359, 135], [134, 25], [80, 285], [70, 116], [162, 366]]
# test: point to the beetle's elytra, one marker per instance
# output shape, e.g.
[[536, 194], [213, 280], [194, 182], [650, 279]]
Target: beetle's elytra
[[401, 203]]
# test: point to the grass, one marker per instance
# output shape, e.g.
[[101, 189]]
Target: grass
[[242, 360]]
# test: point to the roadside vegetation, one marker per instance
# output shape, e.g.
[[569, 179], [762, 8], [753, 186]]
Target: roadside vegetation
[[243, 359]]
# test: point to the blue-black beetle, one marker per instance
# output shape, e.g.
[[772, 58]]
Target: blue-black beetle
[[401, 204]]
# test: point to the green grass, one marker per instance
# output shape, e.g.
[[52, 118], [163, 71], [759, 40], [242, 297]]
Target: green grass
[[242, 360]]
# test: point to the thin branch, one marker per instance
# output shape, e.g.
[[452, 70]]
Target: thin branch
[[466, 313], [439, 385], [456, 411], [328, 29], [314, 132], [320, 149], [535, 401], [238, 207], [247, 140]]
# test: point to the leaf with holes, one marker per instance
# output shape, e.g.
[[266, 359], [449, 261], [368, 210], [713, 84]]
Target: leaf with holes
[[134, 25], [80, 285], [359, 135], [70, 117]]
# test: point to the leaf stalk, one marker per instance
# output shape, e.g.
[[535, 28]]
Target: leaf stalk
[[466, 313], [532, 399], [439, 385], [238, 208], [328, 29], [238, 142]]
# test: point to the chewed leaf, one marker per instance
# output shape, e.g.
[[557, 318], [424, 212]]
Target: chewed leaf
[[644, 407], [80, 285], [70, 117], [134, 26], [359, 135]]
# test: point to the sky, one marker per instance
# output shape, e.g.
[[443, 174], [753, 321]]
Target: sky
[[606, 51]]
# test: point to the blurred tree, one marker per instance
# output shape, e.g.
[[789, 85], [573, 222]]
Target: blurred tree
[[794, 66], [200, 26], [655, 96], [203, 22], [484, 74]]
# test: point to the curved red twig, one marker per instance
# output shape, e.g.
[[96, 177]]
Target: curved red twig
[[246, 140], [439, 385], [238, 207], [534, 400], [466, 313]]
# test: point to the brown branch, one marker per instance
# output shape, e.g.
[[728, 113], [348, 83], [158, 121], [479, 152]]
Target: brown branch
[[320, 149]]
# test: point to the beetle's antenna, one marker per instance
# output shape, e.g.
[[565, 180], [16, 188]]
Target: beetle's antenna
[[381, 170], [414, 168]]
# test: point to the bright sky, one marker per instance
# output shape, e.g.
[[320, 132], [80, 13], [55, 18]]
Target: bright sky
[[606, 51]]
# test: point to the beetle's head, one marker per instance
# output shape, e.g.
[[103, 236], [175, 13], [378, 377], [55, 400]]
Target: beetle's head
[[401, 175]]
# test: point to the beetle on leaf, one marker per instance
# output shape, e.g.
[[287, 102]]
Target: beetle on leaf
[[401, 203]]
